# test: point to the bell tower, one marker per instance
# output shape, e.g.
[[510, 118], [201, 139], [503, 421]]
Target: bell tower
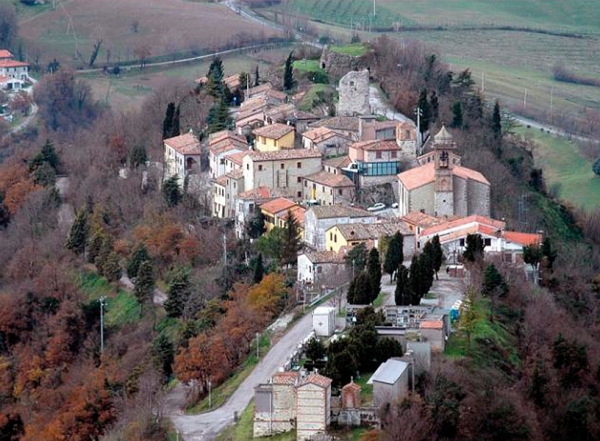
[[443, 145]]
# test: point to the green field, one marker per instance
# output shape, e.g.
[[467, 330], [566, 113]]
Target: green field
[[564, 166]]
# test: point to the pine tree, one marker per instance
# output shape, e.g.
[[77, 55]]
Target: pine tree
[[359, 291], [497, 121], [175, 126], [219, 117], [140, 255], [163, 355], [137, 156], [172, 192], [78, 233], [259, 269], [596, 167], [438, 255], [256, 77], [356, 258], [112, 267], [394, 254], [94, 245], [474, 250], [49, 155], [256, 225], [493, 282], [402, 295], [215, 76], [144, 284], [374, 274], [423, 104], [288, 74], [457, 116], [291, 240], [178, 292], [106, 247], [434, 103]]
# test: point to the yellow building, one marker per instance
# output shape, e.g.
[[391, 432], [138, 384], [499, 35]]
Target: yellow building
[[276, 214], [350, 235], [274, 137]]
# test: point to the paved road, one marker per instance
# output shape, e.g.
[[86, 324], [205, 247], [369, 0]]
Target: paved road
[[208, 425], [381, 107], [551, 129]]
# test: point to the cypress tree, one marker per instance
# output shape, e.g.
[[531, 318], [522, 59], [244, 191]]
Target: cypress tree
[[596, 167], [474, 250], [78, 233], [492, 281], [137, 156], [178, 292], [497, 121], [457, 116], [144, 285], [374, 274], [112, 267], [288, 74], [256, 225], [438, 255], [291, 240], [402, 295], [168, 121], [256, 77], [172, 192], [423, 104], [359, 290], [394, 254], [163, 355], [140, 255], [259, 269], [101, 260]]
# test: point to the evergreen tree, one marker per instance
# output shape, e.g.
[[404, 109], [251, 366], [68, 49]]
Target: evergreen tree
[[438, 255], [434, 104], [168, 121], [144, 284], [101, 260], [359, 291], [356, 258], [4, 215], [474, 250], [291, 240], [259, 269], [78, 233], [374, 274], [256, 225], [394, 254], [386, 348], [402, 295], [44, 175], [140, 255], [497, 121], [137, 156], [172, 192], [215, 76], [112, 267], [457, 116], [94, 245], [178, 292], [219, 117], [163, 355], [549, 252], [493, 282], [256, 77], [596, 167], [288, 74], [47, 154], [423, 104], [175, 126], [532, 254], [315, 350]]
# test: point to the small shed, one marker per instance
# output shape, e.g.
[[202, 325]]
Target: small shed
[[324, 321], [390, 382]]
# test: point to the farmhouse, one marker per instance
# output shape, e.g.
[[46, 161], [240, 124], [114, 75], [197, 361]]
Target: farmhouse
[[13, 73]]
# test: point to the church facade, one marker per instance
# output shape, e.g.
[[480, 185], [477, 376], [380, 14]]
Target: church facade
[[440, 186]]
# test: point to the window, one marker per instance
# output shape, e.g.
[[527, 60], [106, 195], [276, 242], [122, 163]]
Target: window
[[300, 179], [394, 154], [351, 83], [487, 242], [260, 167], [461, 242], [330, 236], [247, 166], [282, 166], [378, 155], [298, 165], [306, 183], [331, 191], [299, 195], [335, 238], [323, 188], [319, 269], [340, 192]]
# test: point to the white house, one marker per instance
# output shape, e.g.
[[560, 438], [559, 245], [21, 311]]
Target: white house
[[321, 268], [318, 219], [220, 145], [182, 156]]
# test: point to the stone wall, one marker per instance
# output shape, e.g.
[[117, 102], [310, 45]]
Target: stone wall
[[354, 94], [337, 65], [460, 196], [478, 198]]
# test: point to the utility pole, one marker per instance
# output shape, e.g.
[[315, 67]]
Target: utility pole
[[209, 394], [419, 113], [225, 248], [482, 81], [373, 7], [257, 334], [102, 300], [525, 99]]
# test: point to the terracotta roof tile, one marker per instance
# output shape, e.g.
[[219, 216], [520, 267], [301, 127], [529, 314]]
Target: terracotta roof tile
[[276, 94], [419, 219], [376, 145], [232, 81], [12, 63], [525, 239], [235, 174], [352, 385], [330, 180], [431, 324], [286, 377], [237, 158], [475, 218], [349, 123], [319, 134], [277, 205], [186, 144], [341, 162], [284, 154], [374, 231], [333, 211], [273, 131], [418, 176], [4, 53], [318, 380], [297, 212], [221, 180], [468, 173], [324, 257], [261, 192]]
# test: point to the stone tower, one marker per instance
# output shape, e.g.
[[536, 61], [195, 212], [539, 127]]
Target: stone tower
[[443, 145], [354, 94]]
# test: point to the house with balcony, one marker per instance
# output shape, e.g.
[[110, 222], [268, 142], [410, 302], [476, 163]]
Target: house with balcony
[[181, 157]]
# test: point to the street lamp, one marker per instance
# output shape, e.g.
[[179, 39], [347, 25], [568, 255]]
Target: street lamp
[[102, 300]]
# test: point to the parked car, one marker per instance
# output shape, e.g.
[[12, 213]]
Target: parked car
[[378, 206], [395, 205]]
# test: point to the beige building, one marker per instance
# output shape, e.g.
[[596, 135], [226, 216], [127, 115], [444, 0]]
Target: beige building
[[441, 187], [250, 115], [390, 382], [313, 406], [226, 188], [281, 171], [318, 219], [328, 188], [11, 68], [220, 145], [274, 137], [350, 235], [353, 91], [275, 405], [327, 141], [182, 157]]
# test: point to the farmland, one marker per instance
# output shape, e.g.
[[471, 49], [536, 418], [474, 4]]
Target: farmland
[[126, 27]]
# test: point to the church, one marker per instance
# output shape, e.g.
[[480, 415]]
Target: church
[[440, 186]]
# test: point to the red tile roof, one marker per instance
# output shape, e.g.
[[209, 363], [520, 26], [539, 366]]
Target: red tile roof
[[273, 131], [431, 324], [330, 180], [421, 219], [277, 205], [12, 63], [376, 145], [418, 176], [525, 239], [237, 158], [341, 162], [221, 180], [324, 256], [468, 173], [4, 53], [297, 212], [261, 192], [186, 144], [318, 380], [286, 377], [352, 385], [475, 218]]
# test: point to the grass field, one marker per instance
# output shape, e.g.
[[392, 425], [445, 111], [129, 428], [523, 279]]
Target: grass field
[[563, 165], [163, 27]]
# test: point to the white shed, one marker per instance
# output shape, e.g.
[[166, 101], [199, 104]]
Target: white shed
[[390, 382], [324, 321]]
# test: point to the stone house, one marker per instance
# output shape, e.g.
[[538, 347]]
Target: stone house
[[442, 187], [234, 161], [246, 205], [182, 157], [371, 129], [348, 126], [418, 221], [220, 145], [328, 189], [336, 166], [313, 406], [321, 268], [281, 171], [327, 141], [319, 219], [275, 405], [274, 137], [390, 382], [257, 91], [250, 116], [350, 235], [279, 113], [353, 91], [376, 161]]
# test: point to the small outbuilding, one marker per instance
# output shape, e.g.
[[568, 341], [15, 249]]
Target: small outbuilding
[[324, 321], [390, 382]]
